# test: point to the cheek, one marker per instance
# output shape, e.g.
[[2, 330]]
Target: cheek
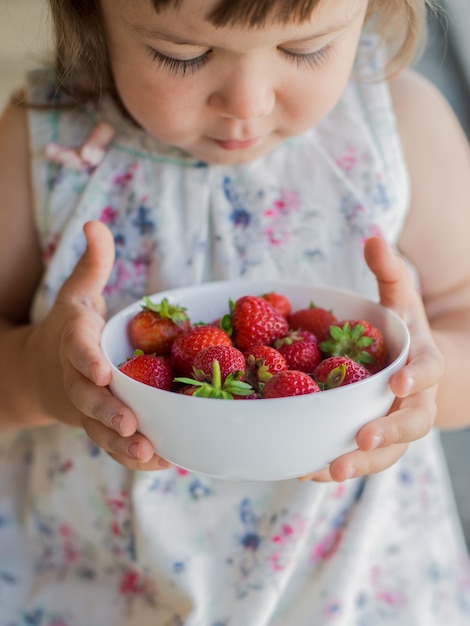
[[164, 112], [307, 106]]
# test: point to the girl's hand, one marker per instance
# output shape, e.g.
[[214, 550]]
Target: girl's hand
[[74, 389], [383, 441]]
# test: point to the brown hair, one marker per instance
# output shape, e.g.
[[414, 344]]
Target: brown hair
[[82, 65]]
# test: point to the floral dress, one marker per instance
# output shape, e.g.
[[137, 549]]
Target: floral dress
[[85, 542]]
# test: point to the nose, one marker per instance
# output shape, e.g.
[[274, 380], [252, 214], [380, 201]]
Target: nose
[[245, 94]]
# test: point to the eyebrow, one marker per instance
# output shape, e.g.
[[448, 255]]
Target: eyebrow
[[154, 33]]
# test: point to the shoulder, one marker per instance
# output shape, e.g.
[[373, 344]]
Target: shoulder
[[20, 261], [437, 154], [420, 107]]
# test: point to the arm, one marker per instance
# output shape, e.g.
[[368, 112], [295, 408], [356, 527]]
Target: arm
[[437, 233], [55, 370], [431, 389]]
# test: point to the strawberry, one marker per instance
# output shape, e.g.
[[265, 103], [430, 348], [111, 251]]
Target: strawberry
[[279, 302], [253, 322], [289, 383], [186, 346], [337, 371], [300, 350], [315, 319], [154, 329], [360, 341], [261, 363], [218, 373], [230, 360], [149, 369]]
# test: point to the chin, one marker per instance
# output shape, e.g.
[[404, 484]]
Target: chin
[[218, 156]]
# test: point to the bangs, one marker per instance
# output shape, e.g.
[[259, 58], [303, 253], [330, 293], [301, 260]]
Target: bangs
[[252, 12]]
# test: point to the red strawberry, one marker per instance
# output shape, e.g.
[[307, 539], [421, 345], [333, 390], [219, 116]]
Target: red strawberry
[[337, 371], [360, 341], [300, 350], [254, 322], [149, 369], [289, 383], [315, 319], [186, 346], [230, 360], [218, 373], [261, 363], [154, 329], [279, 302]]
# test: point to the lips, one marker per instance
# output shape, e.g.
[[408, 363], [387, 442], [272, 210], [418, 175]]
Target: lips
[[236, 144]]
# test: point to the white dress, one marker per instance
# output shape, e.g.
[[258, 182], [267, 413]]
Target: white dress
[[85, 542]]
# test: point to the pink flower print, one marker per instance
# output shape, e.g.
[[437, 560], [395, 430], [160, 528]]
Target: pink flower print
[[275, 560], [327, 546], [180, 471], [70, 553], [123, 180], [66, 466], [339, 491], [395, 598], [130, 583], [51, 247], [116, 505], [281, 538], [119, 277], [108, 215], [374, 231], [276, 232], [275, 237], [348, 160]]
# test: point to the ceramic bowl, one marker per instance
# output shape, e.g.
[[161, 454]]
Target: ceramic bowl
[[269, 439]]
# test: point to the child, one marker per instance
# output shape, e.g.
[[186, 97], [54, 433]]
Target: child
[[211, 139]]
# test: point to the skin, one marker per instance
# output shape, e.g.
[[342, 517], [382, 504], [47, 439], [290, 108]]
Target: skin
[[55, 369]]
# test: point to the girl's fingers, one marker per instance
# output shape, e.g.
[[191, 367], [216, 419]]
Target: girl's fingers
[[424, 370], [383, 441], [80, 345], [134, 452], [98, 404], [396, 288], [92, 271], [81, 294], [413, 420], [358, 463]]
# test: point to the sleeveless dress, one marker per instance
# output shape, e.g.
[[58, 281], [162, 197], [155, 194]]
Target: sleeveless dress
[[85, 542]]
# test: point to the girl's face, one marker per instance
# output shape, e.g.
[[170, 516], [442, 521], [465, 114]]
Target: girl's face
[[229, 95]]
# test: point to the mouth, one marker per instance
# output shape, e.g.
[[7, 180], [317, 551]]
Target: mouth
[[235, 144]]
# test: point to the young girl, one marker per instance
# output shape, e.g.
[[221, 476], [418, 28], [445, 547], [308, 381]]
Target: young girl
[[195, 140]]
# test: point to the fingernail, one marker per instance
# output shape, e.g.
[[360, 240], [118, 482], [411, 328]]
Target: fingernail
[[409, 385], [133, 451], [377, 441], [116, 422], [350, 472], [163, 463]]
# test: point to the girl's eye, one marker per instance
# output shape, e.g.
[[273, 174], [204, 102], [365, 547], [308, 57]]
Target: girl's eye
[[177, 66], [311, 59]]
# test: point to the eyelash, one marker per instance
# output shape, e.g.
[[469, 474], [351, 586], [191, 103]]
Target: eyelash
[[182, 67], [178, 66], [313, 59]]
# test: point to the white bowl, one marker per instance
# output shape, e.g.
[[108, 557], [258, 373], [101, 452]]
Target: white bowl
[[269, 439]]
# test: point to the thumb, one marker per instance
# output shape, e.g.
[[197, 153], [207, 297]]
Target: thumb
[[393, 278], [90, 275]]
